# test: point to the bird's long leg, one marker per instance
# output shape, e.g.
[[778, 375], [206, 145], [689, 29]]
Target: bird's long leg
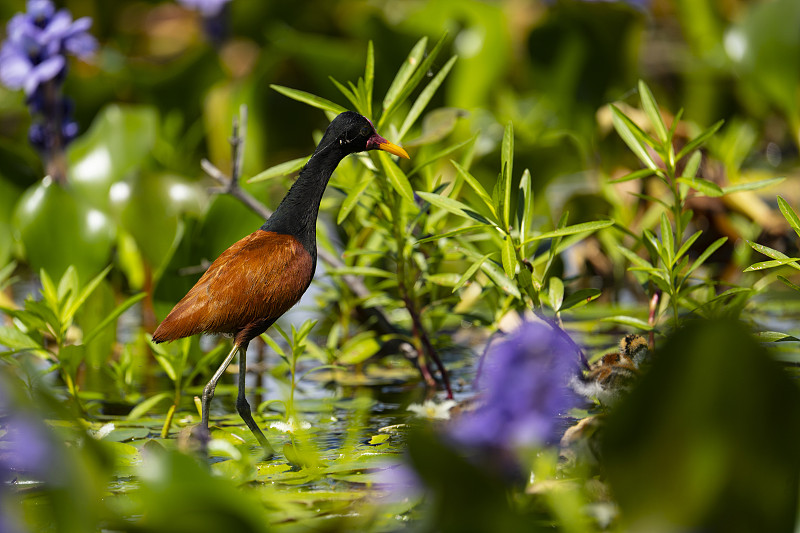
[[243, 408], [208, 390]]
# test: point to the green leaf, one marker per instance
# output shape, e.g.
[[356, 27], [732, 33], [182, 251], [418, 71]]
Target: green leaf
[[668, 244], [631, 134], [459, 231], [84, 294], [791, 261], [309, 99], [697, 141], [687, 244], [143, 407], [635, 175], [702, 186], [281, 169], [693, 165], [752, 185], [789, 283], [444, 279], [629, 321], [361, 271], [555, 293], [476, 186], [121, 308], [580, 298], [453, 206], [634, 258], [509, 258], [766, 250], [404, 73], [397, 178], [651, 109], [369, 76], [575, 228], [525, 207], [415, 79], [471, 271], [349, 94], [789, 215], [425, 97], [705, 255], [14, 339], [774, 336], [507, 161], [352, 197]]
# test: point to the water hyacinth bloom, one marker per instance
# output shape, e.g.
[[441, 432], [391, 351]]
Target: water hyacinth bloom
[[33, 58], [207, 8], [524, 389]]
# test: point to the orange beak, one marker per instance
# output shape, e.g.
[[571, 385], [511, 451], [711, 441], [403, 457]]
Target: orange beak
[[376, 141]]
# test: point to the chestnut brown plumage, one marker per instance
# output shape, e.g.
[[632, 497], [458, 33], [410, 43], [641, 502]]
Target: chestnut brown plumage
[[263, 275]]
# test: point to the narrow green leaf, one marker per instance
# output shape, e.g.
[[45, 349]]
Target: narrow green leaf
[[693, 165], [84, 294], [274, 345], [788, 283], [352, 197], [580, 298], [752, 185], [525, 207], [404, 73], [143, 407], [470, 271], [555, 293], [425, 97], [448, 204], [705, 255], [14, 339], [697, 141], [476, 186], [397, 178], [507, 161], [789, 215], [369, 76], [687, 244], [775, 336], [494, 273], [635, 175], [509, 257], [702, 186], [631, 134], [772, 263], [121, 308], [350, 94], [204, 361], [361, 271], [575, 228], [651, 109], [453, 233], [634, 258], [766, 250], [629, 321], [281, 169], [413, 82], [309, 99], [668, 243], [444, 279]]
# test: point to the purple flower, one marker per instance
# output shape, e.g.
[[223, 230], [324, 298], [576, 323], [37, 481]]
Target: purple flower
[[37, 42], [208, 8], [33, 58], [525, 389], [25, 447]]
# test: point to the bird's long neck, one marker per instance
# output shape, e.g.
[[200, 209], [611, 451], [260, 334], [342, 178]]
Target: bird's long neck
[[297, 213]]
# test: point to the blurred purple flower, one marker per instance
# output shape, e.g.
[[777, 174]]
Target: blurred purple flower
[[401, 482], [37, 42], [524, 383], [207, 8], [33, 58], [25, 447]]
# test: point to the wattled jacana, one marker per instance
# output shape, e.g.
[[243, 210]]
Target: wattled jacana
[[260, 277]]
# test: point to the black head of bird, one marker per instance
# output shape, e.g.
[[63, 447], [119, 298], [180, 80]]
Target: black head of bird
[[260, 277]]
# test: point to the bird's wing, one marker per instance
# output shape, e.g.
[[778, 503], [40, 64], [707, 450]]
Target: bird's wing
[[259, 277]]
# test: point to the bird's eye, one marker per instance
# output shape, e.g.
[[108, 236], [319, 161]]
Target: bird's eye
[[366, 131]]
